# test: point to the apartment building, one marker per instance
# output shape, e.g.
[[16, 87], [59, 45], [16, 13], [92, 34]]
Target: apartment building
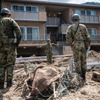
[[41, 20]]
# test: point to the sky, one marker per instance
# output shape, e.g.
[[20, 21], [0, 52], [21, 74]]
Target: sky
[[74, 1]]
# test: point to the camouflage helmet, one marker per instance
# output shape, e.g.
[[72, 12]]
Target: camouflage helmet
[[5, 11], [48, 40], [75, 17]]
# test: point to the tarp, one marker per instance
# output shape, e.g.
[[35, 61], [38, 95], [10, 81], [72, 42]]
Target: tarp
[[43, 77]]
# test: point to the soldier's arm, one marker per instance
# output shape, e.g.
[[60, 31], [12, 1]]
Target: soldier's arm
[[17, 31], [42, 46], [53, 44], [69, 39], [88, 39]]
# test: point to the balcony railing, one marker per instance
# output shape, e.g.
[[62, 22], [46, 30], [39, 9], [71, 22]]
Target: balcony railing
[[22, 15], [53, 21], [95, 37], [89, 19]]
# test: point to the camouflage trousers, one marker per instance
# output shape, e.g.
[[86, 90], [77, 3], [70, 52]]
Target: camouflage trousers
[[80, 61], [49, 58], [7, 61]]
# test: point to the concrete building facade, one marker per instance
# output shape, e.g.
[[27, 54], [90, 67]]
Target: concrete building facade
[[41, 20]]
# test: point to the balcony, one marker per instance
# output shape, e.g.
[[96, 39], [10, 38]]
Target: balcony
[[89, 19], [53, 22], [27, 16], [95, 37]]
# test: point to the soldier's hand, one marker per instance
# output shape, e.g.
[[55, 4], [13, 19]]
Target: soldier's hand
[[58, 45], [38, 47], [16, 44], [73, 43]]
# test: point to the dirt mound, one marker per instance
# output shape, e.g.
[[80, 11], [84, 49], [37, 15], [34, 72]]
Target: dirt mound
[[91, 91], [93, 55]]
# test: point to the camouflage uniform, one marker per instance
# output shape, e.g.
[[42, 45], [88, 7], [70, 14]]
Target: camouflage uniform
[[79, 48], [49, 53], [8, 49]]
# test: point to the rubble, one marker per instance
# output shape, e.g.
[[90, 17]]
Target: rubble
[[66, 87], [96, 76]]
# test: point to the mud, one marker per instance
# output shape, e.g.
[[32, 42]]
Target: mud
[[90, 91]]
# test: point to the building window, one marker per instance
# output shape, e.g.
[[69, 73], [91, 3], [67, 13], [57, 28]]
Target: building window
[[35, 33], [18, 8], [28, 8], [30, 33], [93, 13], [92, 31], [82, 12], [24, 8], [23, 32], [85, 12], [88, 12], [78, 12], [33, 9]]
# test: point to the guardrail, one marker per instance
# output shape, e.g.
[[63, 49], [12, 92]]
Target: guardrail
[[23, 15], [53, 21], [95, 37], [89, 19]]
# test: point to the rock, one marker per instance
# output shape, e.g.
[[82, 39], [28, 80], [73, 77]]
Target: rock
[[96, 76], [99, 91], [84, 92]]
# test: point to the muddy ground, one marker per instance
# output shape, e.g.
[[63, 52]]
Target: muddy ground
[[90, 91]]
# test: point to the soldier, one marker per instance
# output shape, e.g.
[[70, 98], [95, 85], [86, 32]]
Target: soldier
[[48, 50], [9, 32], [79, 39]]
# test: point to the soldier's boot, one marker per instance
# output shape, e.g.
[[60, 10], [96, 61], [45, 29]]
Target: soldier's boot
[[9, 75], [83, 76], [1, 84], [9, 83]]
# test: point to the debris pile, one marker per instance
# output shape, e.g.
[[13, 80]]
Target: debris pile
[[66, 86], [95, 56], [50, 82]]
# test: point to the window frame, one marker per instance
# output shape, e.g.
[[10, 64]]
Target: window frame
[[92, 29], [25, 8], [26, 39], [86, 12], [31, 8]]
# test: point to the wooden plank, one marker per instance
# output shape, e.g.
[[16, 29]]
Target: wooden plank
[[40, 58]]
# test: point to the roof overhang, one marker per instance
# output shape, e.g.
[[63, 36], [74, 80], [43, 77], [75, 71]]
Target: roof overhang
[[56, 3]]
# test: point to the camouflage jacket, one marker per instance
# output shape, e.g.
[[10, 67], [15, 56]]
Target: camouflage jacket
[[9, 29], [48, 47], [79, 37]]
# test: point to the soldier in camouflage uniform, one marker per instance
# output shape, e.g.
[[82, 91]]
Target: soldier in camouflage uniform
[[79, 39], [8, 46], [48, 50]]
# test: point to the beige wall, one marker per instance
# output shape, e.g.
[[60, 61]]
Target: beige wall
[[42, 9], [67, 50], [94, 26], [67, 14], [35, 24]]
